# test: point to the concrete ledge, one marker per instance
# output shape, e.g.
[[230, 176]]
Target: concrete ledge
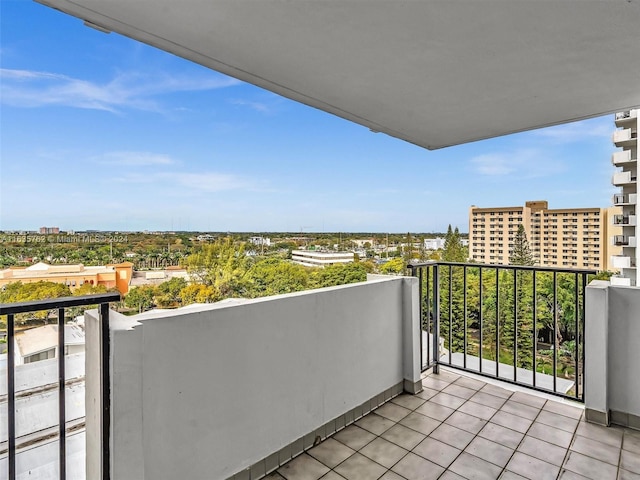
[[276, 460], [594, 416]]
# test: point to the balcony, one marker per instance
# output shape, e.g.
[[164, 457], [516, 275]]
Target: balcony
[[622, 261], [312, 382], [625, 118], [625, 138], [623, 158], [629, 220], [625, 199], [623, 178], [624, 241]]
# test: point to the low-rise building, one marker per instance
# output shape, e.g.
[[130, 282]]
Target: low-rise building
[[313, 258], [117, 275], [41, 343]]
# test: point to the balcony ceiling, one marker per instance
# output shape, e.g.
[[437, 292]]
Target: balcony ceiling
[[434, 73]]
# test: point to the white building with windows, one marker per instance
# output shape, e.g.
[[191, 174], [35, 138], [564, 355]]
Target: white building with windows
[[41, 343], [625, 159], [312, 258]]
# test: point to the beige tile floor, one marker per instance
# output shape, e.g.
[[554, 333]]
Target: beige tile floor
[[463, 428]]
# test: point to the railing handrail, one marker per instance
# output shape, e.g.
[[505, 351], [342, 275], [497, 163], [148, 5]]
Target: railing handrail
[[61, 302], [505, 267]]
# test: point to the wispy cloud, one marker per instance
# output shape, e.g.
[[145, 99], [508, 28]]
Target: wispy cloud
[[578, 131], [28, 88], [187, 182], [520, 164], [268, 103], [135, 159]]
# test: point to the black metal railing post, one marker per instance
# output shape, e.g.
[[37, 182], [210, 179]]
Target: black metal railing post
[[62, 399], [105, 390], [436, 319], [11, 396]]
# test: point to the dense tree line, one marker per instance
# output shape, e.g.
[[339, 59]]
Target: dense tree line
[[223, 269]]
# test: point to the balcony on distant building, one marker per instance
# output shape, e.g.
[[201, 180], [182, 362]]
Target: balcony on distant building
[[625, 137], [624, 240], [627, 220], [623, 118], [623, 178], [242, 389], [623, 158], [625, 199]]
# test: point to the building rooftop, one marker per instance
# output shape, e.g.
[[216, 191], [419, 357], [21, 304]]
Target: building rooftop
[[459, 427], [44, 338]]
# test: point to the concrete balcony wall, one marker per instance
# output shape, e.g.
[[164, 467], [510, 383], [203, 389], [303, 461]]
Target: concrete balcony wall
[[612, 356], [621, 157], [208, 391]]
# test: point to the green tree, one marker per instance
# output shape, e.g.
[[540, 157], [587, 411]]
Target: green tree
[[453, 250], [199, 293], [339, 274], [167, 294], [222, 265], [24, 292], [140, 297], [273, 276], [520, 253], [395, 266]]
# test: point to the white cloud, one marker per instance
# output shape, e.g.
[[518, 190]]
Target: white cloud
[[520, 164], [210, 181], [186, 183], [135, 159], [257, 106], [578, 131], [27, 88]]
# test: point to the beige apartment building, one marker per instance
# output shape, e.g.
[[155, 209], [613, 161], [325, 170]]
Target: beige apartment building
[[567, 238]]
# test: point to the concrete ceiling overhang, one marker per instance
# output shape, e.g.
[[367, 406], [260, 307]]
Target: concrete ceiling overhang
[[434, 73]]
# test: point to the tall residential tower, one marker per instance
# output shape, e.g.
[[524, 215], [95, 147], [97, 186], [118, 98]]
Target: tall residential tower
[[626, 178], [566, 237]]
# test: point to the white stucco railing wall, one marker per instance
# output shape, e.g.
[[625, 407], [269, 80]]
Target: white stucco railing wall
[[612, 354], [206, 392]]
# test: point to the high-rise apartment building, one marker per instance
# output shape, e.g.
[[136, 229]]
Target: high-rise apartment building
[[626, 178], [569, 238]]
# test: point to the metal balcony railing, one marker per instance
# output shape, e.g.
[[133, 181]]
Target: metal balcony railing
[[519, 324], [620, 240], [621, 219], [57, 305], [620, 198]]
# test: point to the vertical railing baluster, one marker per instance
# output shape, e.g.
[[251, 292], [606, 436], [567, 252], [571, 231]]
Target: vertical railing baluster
[[582, 327], [497, 322], [62, 418], [576, 337], [480, 316], [11, 396], [105, 387], [535, 327], [429, 319], [515, 325], [436, 318], [450, 311], [555, 330], [464, 315]]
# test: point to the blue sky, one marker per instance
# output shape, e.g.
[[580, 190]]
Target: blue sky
[[102, 132]]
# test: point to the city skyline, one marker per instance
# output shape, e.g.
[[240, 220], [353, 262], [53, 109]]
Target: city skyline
[[101, 132]]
